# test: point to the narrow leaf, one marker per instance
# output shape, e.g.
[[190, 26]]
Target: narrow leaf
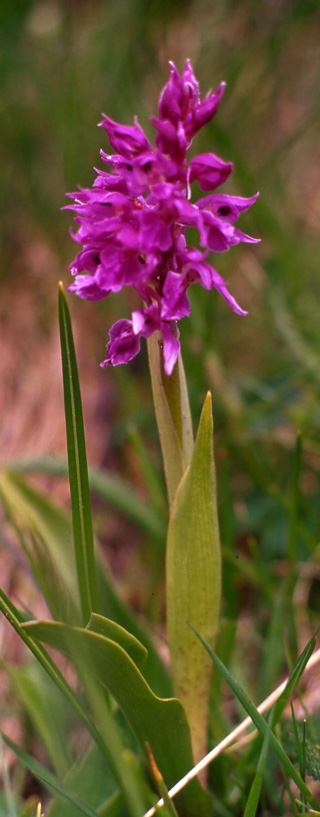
[[78, 469], [255, 790], [254, 796], [294, 678], [298, 744]]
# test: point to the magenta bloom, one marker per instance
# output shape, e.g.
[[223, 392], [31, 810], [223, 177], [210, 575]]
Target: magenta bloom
[[132, 222]]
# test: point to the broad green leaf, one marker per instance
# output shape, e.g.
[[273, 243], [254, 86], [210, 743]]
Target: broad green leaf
[[160, 722], [258, 721], [171, 403], [112, 607], [105, 627], [78, 469], [194, 581]]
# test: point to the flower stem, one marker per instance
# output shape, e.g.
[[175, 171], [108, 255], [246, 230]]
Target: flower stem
[[172, 409]]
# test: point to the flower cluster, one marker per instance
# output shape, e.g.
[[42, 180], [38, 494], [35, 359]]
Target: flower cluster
[[132, 222]]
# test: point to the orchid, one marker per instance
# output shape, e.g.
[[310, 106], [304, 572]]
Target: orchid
[[132, 222]]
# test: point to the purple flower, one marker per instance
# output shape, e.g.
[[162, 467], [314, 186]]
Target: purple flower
[[132, 222]]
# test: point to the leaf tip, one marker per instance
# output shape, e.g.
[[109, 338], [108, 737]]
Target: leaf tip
[[206, 413], [207, 406]]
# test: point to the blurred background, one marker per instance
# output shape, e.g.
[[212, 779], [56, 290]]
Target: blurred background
[[62, 65]]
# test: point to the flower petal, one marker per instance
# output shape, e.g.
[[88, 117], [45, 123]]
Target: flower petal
[[123, 344], [171, 347], [128, 140], [209, 171]]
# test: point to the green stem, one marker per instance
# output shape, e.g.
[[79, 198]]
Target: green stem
[[172, 409]]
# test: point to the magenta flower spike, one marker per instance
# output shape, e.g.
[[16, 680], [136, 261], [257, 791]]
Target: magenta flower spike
[[132, 222]]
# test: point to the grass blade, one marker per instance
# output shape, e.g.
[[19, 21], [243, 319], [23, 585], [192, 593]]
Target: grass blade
[[47, 778], [294, 678], [255, 790], [259, 722], [78, 469], [7, 790], [294, 506], [298, 746]]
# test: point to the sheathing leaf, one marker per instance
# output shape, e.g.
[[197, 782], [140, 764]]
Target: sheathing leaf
[[194, 581]]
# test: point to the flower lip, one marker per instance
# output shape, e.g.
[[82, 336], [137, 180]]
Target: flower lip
[[229, 205]]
